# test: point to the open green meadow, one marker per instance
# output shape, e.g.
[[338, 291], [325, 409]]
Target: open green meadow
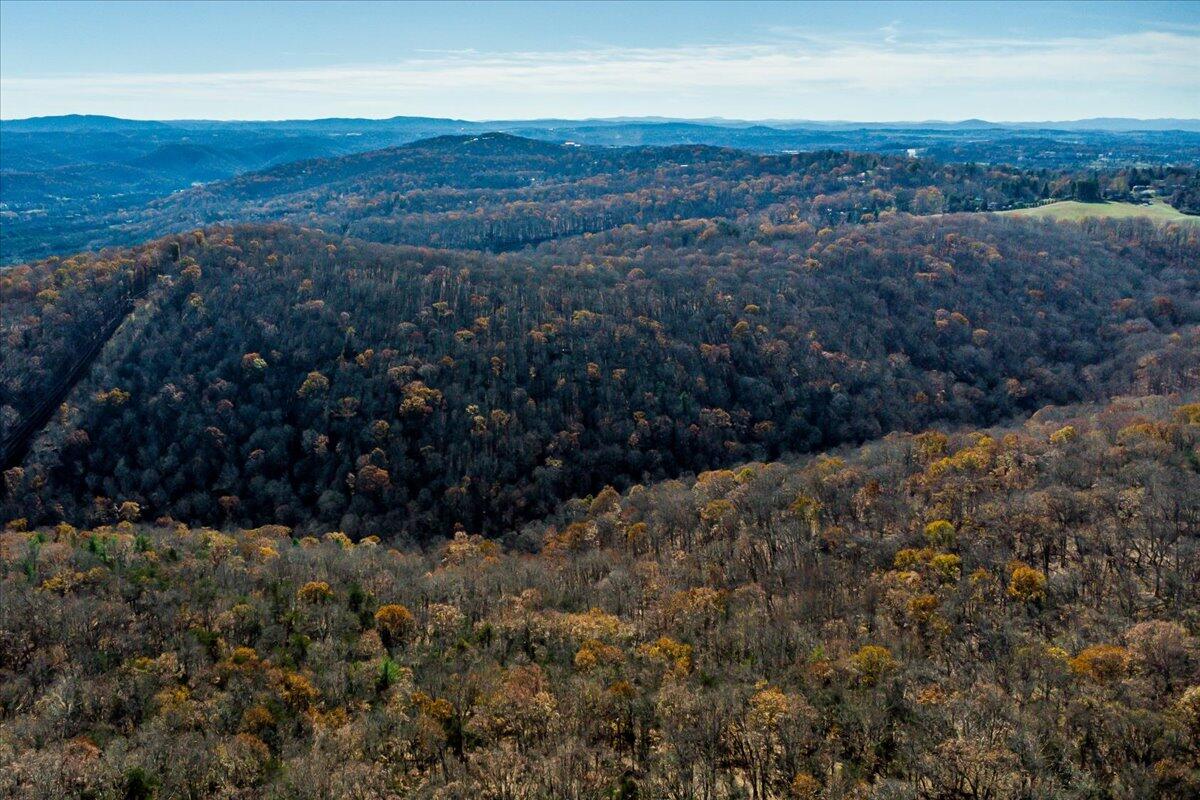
[[1073, 210]]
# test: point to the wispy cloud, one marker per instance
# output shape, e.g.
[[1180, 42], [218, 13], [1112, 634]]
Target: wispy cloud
[[794, 66]]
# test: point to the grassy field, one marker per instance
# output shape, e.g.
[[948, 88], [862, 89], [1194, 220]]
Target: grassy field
[[1157, 211]]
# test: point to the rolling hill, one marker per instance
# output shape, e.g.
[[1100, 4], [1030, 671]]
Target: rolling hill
[[1072, 210], [272, 374]]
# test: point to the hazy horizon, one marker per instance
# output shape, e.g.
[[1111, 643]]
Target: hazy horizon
[[868, 62], [623, 118]]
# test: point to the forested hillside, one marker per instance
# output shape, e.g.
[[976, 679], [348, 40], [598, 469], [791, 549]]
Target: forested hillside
[[501, 192], [275, 375], [79, 181], [56, 316], [996, 614], [497, 191]]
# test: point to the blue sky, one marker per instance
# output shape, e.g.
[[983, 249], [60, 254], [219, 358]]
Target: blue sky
[[857, 61]]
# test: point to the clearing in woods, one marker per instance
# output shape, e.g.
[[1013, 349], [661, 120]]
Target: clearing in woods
[[1158, 211]]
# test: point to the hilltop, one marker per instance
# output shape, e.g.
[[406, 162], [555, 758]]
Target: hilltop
[[72, 183], [499, 191], [270, 374]]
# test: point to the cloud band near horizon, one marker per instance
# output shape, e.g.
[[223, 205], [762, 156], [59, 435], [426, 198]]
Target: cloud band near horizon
[[1147, 74]]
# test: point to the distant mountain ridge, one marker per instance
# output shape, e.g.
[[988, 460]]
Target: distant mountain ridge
[[80, 180], [78, 122]]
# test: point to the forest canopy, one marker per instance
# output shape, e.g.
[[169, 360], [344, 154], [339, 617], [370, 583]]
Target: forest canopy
[[1008, 609], [279, 376]]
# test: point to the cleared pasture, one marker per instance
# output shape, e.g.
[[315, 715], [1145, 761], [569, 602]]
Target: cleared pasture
[[1073, 210]]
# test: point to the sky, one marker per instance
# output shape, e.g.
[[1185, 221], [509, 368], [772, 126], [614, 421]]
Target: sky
[[1011, 61]]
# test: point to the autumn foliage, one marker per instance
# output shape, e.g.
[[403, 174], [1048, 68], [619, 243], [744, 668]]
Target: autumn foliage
[[904, 615]]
